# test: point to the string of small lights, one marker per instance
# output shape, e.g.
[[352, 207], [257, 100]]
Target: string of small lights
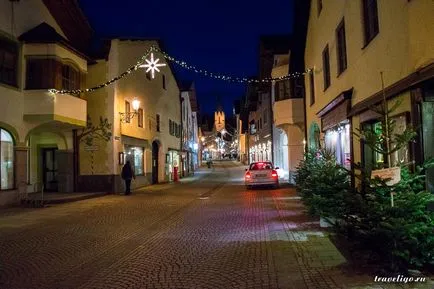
[[204, 72], [122, 75], [184, 65]]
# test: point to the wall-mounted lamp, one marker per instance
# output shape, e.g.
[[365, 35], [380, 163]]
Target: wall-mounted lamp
[[127, 116]]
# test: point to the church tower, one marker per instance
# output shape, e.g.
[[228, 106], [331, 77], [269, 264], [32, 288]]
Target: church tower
[[219, 117], [219, 120]]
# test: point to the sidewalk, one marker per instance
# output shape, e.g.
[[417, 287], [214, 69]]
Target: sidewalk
[[60, 198], [198, 174]]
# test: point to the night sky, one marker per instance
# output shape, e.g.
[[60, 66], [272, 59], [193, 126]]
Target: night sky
[[219, 36]]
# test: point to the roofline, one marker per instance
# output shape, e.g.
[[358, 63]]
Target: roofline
[[64, 44]]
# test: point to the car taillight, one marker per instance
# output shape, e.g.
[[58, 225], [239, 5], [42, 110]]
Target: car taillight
[[248, 176], [274, 174]]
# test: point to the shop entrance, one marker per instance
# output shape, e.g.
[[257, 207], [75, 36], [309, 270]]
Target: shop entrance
[[49, 169]]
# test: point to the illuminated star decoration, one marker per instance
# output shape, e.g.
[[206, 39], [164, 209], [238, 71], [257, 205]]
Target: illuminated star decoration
[[152, 65]]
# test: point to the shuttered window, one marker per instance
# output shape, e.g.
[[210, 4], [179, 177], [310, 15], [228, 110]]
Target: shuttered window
[[50, 73]]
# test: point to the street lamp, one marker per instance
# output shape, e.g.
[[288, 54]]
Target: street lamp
[[127, 116], [136, 104]]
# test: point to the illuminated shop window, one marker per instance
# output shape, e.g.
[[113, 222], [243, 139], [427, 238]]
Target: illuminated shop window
[[7, 160], [135, 156]]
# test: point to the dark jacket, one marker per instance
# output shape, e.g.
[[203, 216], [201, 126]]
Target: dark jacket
[[127, 172]]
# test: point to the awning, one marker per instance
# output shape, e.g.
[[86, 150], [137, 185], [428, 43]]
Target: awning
[[336, 111], [137, 142]]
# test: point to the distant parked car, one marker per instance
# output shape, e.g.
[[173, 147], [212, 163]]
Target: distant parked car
[[261, 173]]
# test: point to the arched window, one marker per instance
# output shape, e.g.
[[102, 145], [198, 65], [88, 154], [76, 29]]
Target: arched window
[[7, 160]]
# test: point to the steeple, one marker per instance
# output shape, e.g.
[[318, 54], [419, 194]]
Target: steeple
[[219, 106]]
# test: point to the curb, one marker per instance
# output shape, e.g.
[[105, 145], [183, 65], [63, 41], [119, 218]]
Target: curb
[[69, 199]]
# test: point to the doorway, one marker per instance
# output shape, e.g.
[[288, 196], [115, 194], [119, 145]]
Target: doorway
[[49, 169], [155, 153]]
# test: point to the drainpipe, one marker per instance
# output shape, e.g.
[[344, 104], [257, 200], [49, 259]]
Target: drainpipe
[[305, 116], [75, 162], [272, 126], [181, 166]]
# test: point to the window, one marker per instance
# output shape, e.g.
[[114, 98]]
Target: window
[[127, 111], [401, 156], [70, 78], [370, 20], [342, 47], [170, 127], [286, 89], [277, 91], [140, 117], [261, 166], [164, 81], [265, 116], [253, 128], [8, 62], [282, 90], [7, 160], [376, 160], [38, 75], [326, 66], [338, 141], [158, 122], [319, 3], [135, 156], [312, 88]]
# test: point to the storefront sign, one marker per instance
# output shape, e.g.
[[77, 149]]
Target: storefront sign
[[393, 174], [91, 148]]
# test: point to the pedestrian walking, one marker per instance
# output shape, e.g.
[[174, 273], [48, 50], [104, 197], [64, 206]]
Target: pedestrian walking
[[127, 175]]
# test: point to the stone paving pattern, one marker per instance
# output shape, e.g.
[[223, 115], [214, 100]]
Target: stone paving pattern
[[209, 232]]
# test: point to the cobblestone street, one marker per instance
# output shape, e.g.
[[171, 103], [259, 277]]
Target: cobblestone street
[[206, 233]]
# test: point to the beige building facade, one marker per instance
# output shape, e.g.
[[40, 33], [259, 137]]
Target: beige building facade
[[288, 119], [37, 127], [149, 138], [349, 43]]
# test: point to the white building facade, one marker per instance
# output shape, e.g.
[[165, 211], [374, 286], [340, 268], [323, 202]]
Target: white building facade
[[147, 135], [288, 123], [190, 134], [37, 127]]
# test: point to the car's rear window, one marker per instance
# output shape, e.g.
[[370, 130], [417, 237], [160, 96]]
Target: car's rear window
[[260, 166]]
